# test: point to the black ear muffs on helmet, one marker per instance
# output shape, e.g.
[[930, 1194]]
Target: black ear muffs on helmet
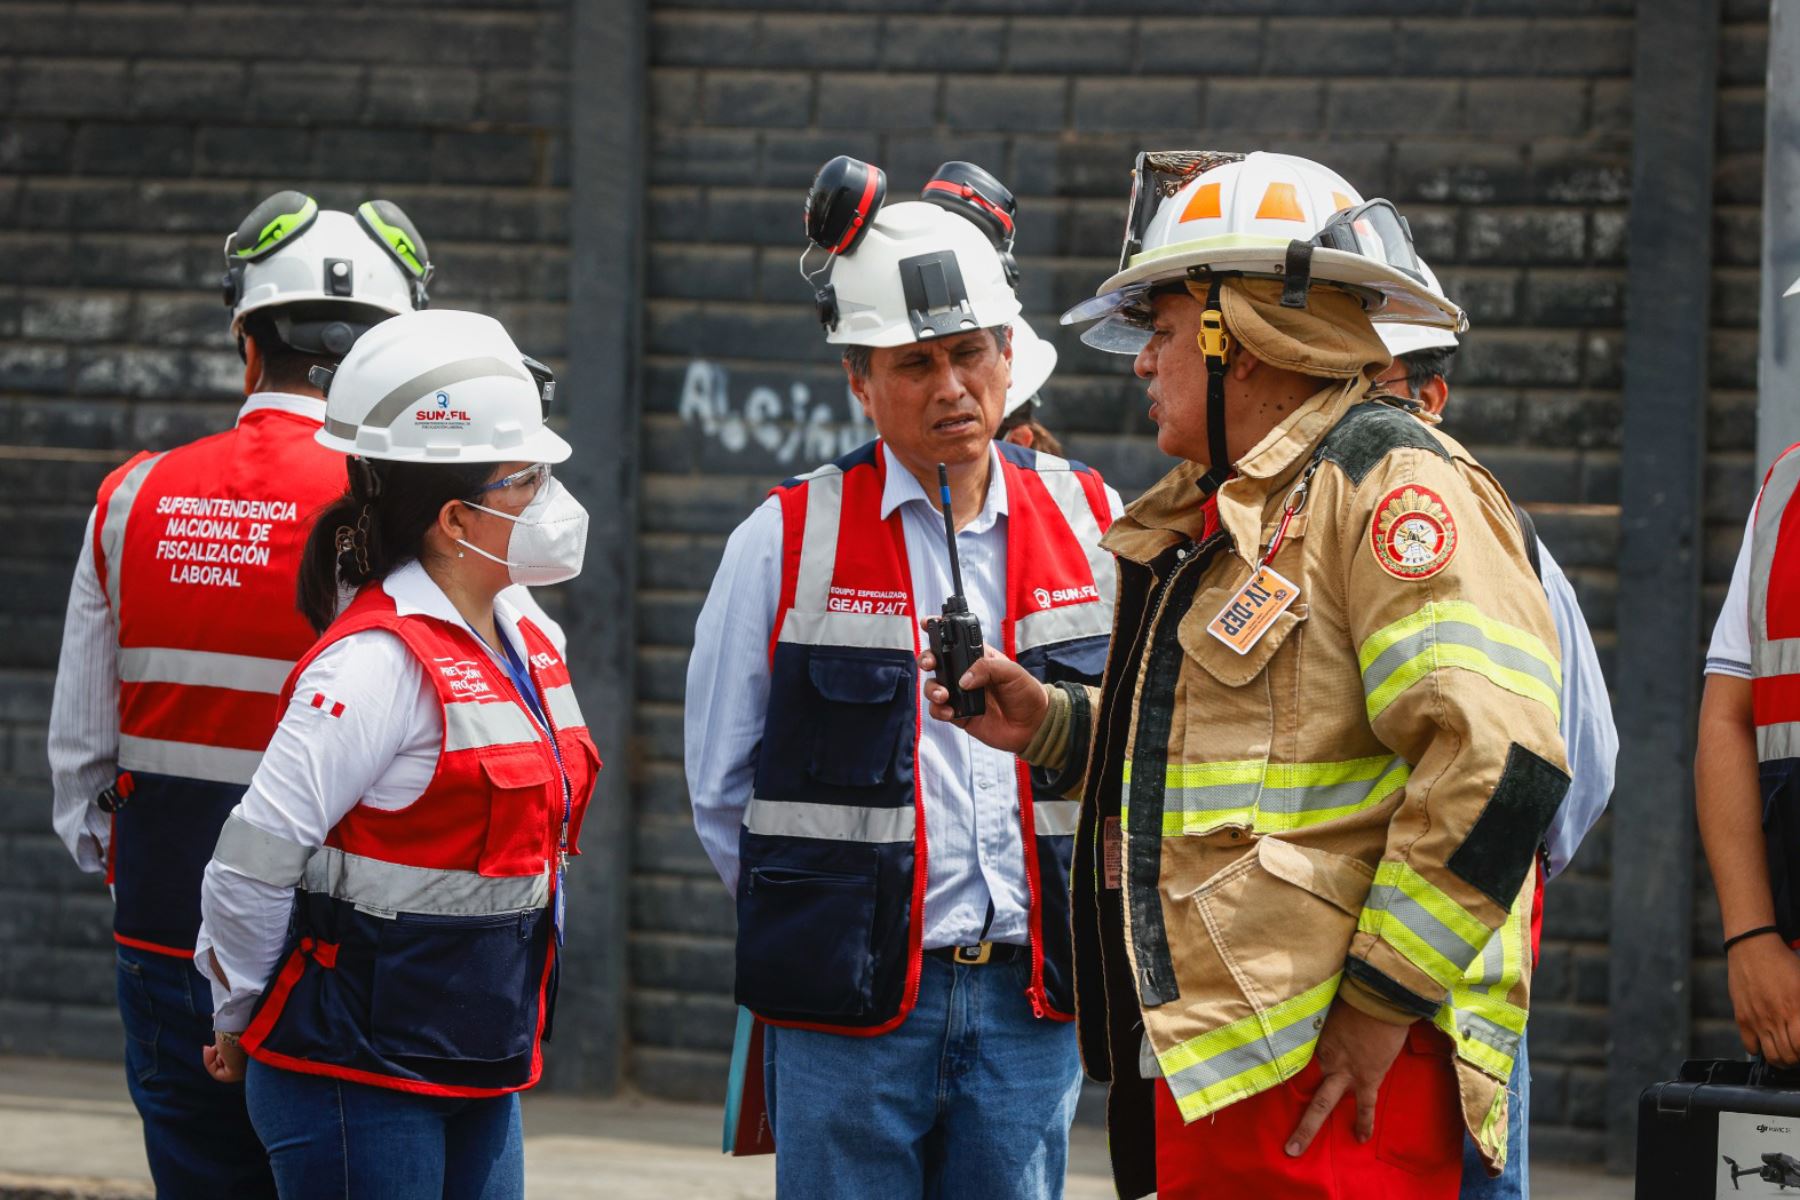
[[842, 203], [969, 191], [840, 208]]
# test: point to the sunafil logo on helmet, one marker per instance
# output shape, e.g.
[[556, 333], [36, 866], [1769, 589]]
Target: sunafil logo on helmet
[[443, 416]]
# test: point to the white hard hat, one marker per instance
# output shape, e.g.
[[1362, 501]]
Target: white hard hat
[[917, 273], [289, 251], [1033, 359], [440, 386], [1793, 290], [1408, 338], [1264, 214]]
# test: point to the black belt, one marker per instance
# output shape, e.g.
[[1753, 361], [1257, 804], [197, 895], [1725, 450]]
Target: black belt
[[980, 952]]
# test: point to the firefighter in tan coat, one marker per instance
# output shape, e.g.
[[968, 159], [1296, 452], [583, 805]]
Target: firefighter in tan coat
[[1325, 749]]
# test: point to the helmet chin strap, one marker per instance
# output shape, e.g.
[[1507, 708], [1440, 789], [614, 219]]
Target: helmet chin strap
[[1215, 345]]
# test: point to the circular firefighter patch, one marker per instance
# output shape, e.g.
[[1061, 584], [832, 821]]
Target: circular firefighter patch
[[1413, 533]]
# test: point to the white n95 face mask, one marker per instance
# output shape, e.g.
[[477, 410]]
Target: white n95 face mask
[[548, 539]]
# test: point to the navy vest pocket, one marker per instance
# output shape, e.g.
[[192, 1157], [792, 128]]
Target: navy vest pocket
[[864, 706], [803, 946], [457, 988]]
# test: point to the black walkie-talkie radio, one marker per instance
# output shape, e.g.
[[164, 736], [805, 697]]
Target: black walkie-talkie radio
[[956, 635]]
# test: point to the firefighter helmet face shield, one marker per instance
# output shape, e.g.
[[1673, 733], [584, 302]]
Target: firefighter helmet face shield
[[1375, 230]]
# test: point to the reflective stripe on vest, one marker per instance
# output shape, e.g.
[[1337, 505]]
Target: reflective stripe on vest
[[476, 725], [832, 822], [112, 529], [1069, 623], [1775, 661], [387, 888], [187, 760], [203, 668]]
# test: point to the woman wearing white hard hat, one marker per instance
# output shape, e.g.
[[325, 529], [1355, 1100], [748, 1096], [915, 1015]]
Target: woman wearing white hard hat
[[387, 901]]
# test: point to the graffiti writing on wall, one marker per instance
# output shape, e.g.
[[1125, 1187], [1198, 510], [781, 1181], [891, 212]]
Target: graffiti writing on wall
[[797, 428]]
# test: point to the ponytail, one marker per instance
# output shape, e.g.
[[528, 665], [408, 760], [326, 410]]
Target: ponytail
[[377, 525]]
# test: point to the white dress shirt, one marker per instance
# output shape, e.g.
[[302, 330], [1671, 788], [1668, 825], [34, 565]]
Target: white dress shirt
[[1587, 721], [970, 802], [381, 751]]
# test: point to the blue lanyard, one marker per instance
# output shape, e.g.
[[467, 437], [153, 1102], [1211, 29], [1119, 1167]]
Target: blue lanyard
[[527, 687]]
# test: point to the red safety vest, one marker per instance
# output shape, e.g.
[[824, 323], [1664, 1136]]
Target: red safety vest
[[423, 955], [834, 847], [198, 550], [1775, 684]]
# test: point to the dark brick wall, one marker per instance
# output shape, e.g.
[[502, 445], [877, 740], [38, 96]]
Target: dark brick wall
[[133, 136], [132, 139], [1731, 480]]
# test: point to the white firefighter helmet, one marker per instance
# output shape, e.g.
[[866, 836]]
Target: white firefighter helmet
[[439, 386], [1407, 338], [321, 264], [918, 273], [1033, 359], [1195, 213]]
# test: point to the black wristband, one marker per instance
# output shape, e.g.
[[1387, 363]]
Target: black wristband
[[1748, 933]]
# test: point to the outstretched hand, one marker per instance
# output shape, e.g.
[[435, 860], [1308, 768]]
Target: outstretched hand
[[1016, 701]]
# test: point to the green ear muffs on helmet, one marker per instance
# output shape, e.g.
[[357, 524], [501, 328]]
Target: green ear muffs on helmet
[[282, 216], [270, 225], [391, 227]]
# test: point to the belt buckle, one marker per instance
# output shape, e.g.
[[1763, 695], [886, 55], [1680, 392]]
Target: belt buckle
[[973, 956]]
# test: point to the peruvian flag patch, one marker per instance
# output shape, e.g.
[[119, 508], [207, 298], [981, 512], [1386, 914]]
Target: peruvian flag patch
[[326, 705]]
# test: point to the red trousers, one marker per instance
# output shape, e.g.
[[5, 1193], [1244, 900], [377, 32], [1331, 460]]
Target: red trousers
[[1416, 1153]]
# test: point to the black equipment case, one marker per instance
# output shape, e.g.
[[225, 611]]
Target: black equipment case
[[1723, 1126]]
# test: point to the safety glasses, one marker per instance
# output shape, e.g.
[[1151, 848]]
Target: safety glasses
[[1157, 175], [534, 477]]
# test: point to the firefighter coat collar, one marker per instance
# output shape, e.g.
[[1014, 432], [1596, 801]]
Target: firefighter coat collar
[[1172, 511]]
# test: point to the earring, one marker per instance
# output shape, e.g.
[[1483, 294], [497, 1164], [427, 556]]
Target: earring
[[460, 554]]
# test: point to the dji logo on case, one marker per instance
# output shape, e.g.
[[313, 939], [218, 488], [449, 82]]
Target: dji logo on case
[[1772, 1129]]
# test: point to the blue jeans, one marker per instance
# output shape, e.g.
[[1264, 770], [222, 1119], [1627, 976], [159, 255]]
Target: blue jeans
[[1514, 1182], [971, 1097], [330, 1140], [197, 1134]]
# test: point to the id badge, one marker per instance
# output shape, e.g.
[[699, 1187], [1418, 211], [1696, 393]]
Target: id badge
[[1251, 613]]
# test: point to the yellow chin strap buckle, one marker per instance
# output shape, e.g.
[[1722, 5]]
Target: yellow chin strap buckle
[[1215, 343]]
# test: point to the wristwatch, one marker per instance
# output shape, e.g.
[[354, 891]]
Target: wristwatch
[[225, 1037]]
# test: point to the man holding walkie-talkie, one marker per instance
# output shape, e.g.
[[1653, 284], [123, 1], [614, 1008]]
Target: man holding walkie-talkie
[[901, 889]]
